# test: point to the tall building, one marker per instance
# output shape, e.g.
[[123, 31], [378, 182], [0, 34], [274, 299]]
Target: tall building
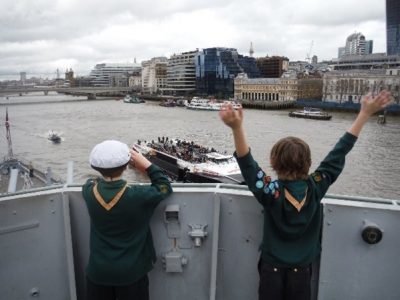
[[393, 27], [69, 78], [369, 45], [154, 75], [22, 77], [113, 74], [272, 67], [356, 45], [181, 74], [216, 69]]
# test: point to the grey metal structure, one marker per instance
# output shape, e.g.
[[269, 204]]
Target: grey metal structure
[[206, 238]]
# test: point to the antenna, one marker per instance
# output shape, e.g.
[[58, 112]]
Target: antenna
[[251, 51], [308, 57], [8, 136]]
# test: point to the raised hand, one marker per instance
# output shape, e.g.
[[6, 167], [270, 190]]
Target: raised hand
[[371, 105], [231, 117]]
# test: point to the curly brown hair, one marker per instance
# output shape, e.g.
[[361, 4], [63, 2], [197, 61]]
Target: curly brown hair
[[291, 158]]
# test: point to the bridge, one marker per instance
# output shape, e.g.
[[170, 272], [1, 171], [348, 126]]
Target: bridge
[[90, 92]]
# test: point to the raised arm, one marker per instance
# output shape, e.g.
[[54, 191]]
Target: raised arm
[[369, 106], [234, 119], [333, 164]]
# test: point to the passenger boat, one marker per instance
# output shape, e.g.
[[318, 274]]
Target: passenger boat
[[186, 161], [310, 113], [132, 99], [209, 104], [54, 137], [203, 104]]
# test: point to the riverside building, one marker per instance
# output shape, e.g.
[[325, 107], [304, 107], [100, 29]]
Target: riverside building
[[366, 62], [181, 74], [113, 74], [154, 75], [216, 69], [350, 85], [287, 88]]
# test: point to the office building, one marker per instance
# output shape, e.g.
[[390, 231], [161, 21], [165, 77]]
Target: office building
[[370, 61], [393, 27], [350, 85], [356, 45], [216, 69], [181, 74], [272, 67], [154, 75], [113, 74]]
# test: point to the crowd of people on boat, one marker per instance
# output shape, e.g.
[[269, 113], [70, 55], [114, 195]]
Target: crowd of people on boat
[[185, 150]]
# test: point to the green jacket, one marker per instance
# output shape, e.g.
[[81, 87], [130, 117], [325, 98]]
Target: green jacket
[[121, 245], [292, 237]]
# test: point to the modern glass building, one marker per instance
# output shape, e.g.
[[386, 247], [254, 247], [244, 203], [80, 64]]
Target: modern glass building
[[393, 27], [216, 69]]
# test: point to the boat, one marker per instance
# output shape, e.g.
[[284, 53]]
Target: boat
[[310, 113], [209, 104], [54, 137], [186, 161], [168, 103], [132, 99], [203, 104]]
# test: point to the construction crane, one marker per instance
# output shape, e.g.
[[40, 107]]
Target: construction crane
[[308, 57]]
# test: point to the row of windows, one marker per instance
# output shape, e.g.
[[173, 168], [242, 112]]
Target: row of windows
[[260, 96]]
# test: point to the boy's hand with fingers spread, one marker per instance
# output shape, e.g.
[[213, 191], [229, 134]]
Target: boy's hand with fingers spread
[[369, 106], [231, 117]]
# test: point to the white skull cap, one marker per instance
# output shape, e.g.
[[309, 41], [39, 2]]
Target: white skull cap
[[109, 154]]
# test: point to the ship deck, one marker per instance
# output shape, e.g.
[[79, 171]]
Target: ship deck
[[206, 238]]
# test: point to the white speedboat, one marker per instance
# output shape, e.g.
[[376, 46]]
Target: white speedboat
[[132, 99], [190, 162], [54, 137]]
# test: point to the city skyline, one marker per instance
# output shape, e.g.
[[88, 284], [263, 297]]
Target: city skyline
[[43, 36]]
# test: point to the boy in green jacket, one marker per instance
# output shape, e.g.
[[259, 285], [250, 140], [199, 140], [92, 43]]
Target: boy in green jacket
[[121, 245], [292, 210]]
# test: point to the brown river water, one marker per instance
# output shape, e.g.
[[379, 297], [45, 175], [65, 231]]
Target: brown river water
[[372, 167]]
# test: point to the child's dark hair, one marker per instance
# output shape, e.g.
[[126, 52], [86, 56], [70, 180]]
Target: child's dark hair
[[291, 158], [111, 172]]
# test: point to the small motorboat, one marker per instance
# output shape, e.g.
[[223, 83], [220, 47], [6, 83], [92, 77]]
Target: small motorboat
[[133, 99], [310, 113], [54, 137]]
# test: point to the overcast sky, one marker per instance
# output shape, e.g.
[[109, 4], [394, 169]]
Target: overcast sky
[[39, 36]]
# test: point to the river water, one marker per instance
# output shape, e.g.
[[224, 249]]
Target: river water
[[372, 168]]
